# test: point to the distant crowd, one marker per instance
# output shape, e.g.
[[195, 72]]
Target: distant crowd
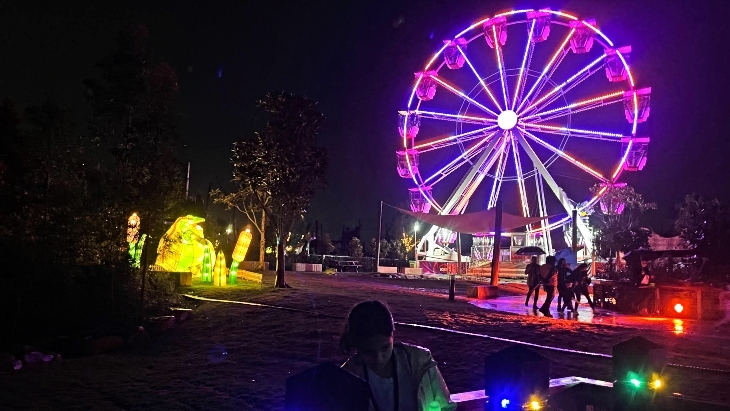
[[570, 284]]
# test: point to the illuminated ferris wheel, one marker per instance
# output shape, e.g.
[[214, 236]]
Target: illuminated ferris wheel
[[521, 100]]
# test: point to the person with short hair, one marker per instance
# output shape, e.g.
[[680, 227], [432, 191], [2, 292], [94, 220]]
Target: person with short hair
[[402, 377], [582, 281], [549, 279], [565, 287], [533, 281]]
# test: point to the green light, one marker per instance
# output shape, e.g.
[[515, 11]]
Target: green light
[[232, 272], [636, 382], [434, 406]]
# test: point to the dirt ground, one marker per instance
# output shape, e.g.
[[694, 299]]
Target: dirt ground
[[232, 356]]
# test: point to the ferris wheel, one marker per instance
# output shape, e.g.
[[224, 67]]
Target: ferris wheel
[[521, 99]]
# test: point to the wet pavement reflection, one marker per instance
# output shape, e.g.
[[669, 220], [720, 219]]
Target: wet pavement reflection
[[679, 327]]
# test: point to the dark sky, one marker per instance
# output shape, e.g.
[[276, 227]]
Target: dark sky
[[357, 58]]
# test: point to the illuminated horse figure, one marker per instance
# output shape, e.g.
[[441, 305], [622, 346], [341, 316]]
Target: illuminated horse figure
[[183, 247]]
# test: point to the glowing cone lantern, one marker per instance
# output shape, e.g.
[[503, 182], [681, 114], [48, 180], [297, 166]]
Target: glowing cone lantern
[[232, 273], [207, 270], [219, 272], [239, 253]]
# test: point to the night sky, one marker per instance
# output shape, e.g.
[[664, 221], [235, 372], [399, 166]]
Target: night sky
[[357, 60]]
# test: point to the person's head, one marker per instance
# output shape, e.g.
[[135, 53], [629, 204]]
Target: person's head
[[369, 332], [582, 267], [550, 260], [533, 260], [562, 262]]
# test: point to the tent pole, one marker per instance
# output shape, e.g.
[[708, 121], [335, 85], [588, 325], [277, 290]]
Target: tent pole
[[497, 243], [452, 277], [380, 232]]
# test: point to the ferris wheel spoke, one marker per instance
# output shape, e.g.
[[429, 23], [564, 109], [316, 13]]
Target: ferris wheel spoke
[[464, 96], [477, 173], [499, 172], [565, 156], [460, 118], [542, 169], [551, 66], [571, 82], [590, 104], [573, 132], [452, 140], [542, 211], [528, 52], [567, 204], [457, 201], [481, 80], [520, 180], [500, 63], [462, 159]]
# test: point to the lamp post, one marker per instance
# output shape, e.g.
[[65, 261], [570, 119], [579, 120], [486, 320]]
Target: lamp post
[[415, 242]]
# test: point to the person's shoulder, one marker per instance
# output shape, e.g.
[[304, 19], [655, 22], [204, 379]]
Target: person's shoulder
[[414, 351]]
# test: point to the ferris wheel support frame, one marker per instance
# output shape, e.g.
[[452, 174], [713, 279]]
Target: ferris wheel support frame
[[559, 192], [471, 179]]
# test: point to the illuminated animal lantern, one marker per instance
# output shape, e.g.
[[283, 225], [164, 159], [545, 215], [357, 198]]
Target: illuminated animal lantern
[[182, 247]]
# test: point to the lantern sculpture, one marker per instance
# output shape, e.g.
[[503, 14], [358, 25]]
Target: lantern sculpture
[[135, 250], [232, 272], [133, 228], [182, 247], [220, 270], [206, 270], [135, 241], [239, 253]]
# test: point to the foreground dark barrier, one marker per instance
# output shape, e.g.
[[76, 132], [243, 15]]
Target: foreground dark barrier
[[517, 378]]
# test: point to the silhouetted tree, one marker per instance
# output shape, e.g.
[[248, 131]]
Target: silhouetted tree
[[324, 245], [705, 226], [133, 118], [616, 217], [282, 163], [246, 202], [354, 247]]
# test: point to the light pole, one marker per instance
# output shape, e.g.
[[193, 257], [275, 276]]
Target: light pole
[[415, 242]]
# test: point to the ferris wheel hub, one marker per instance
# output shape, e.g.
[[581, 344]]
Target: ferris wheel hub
[[507, 120]]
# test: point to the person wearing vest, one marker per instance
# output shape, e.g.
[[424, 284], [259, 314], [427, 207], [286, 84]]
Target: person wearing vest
[[549, 277], [402, 377], [581, 285], [565, 287], [533, 281]]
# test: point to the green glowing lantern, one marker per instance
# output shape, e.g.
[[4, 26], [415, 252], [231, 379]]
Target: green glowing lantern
[[206, 270], [233, 271], [135, 250], [135, 241]]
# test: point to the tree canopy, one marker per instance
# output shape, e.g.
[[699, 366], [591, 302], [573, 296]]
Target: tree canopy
[[282, 166], [617, 218]]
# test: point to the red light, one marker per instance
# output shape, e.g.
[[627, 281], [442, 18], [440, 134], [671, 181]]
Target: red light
[[678, 308]]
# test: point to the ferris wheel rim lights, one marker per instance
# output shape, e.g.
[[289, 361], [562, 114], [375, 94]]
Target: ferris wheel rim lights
[[507, 119]]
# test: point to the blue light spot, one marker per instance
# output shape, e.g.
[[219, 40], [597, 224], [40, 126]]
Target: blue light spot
[[220, 72], [505, 403], [430, 36]]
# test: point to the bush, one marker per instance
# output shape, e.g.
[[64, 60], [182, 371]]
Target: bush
[[40, 299]]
